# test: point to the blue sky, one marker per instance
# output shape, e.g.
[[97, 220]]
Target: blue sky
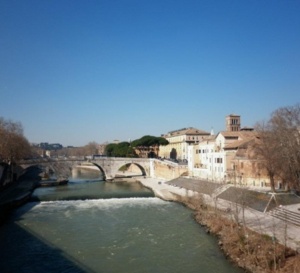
[[79, 71]]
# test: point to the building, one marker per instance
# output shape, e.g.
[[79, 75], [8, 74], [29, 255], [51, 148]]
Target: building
[[215, 155], [228, 157], [179, 141], [47, 146], [246, 168], [200, 163], [233, 123]]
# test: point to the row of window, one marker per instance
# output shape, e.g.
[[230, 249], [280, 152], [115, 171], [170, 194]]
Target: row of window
[[204, 151], [219, 160], [235, 121], [217, 169], [254, 166], [193, 138]]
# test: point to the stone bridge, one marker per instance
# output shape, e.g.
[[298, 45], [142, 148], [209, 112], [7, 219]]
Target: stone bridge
[[109, 166]]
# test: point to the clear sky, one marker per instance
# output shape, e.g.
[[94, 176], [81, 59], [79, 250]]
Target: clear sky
[[75, 71]]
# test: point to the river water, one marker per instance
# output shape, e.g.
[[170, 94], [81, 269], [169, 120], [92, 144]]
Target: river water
[[93, 226]]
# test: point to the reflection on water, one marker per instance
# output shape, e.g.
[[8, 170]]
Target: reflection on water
[[81, 190], [79, 174], [88, 184]]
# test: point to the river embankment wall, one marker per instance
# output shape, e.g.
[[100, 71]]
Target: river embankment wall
[[18, 192], [167, 170]]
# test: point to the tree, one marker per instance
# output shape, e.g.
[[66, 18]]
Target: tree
[[109, 149], [146, 144], [285, 123], [150, 144], [266, 152], [91, 148], [122, 149], [149, 141], [278, 146], [13, 145]]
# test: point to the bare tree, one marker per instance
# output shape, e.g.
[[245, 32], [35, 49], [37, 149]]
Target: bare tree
[[91, 148], [278, 146], [285, 123], [265, 150], [13, 145]]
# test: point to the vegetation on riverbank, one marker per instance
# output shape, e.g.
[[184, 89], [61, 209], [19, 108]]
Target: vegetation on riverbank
[[254, 252]]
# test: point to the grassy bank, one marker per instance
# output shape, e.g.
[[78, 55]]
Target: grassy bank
[[255, 252]]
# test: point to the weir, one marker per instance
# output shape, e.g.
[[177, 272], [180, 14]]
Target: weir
[[97, 226]]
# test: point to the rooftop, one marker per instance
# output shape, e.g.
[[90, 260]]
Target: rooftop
[[186, 131]]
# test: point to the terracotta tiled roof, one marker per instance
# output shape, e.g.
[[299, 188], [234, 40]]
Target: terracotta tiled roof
[[186, 131], [194, 131], [209, 138], [239, 144], [239, 134], [206, 139]]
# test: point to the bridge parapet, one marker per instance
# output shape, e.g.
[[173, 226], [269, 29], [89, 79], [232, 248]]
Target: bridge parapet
[[110, 166]]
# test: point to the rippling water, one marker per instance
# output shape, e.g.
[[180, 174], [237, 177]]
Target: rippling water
[[140, 234]]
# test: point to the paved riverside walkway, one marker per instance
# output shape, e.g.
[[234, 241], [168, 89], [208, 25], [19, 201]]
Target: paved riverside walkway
[[240, 202]]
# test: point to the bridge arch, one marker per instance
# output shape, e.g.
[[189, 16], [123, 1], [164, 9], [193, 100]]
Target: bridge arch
[[101, 169], [48, 169], [127, 164], [108, 166]]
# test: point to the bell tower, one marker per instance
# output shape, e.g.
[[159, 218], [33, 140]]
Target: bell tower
[[233, 123]]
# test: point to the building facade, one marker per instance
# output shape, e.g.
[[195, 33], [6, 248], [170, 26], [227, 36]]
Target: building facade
[[228, 157], [179, 142], [233, 123]]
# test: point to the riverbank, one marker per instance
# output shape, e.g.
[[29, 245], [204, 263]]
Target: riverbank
[[19, 192], [253, 240]]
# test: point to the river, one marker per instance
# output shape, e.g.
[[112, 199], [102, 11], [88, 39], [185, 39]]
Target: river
[[94, 226]]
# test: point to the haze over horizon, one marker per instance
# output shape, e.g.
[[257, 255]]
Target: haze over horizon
[[78, 71]]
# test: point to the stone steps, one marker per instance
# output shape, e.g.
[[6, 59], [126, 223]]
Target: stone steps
[[219, 190], [286, 215]]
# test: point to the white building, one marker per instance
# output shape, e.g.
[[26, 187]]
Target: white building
[[207, 161], [211, 158]]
